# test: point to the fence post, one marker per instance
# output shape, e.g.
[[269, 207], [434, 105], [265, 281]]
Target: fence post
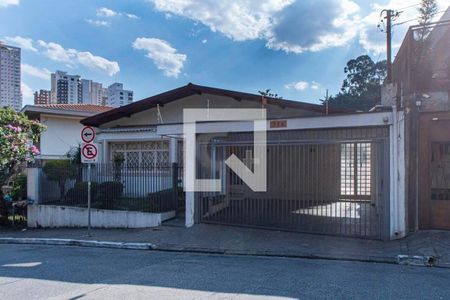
[[175, 185]]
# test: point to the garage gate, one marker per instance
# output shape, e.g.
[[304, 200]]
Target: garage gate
[[318, 181]]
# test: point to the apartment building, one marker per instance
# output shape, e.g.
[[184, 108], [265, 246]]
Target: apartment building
[[65, 88], [42, 97], [10, 94], [117, 96]]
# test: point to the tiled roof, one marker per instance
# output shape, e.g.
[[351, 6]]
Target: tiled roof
[[192, 89], [78, 107]]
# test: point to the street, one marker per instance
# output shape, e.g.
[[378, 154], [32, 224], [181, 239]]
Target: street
[[57, 272]]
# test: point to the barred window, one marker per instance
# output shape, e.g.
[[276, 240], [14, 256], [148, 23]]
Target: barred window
[[142, 154]]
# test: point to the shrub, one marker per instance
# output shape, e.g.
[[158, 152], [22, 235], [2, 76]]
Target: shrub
[[108, 192], [20, 187], [79, 193], [60, 171]]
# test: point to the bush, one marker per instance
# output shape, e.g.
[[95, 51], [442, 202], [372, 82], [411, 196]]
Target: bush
[[60, 171], [79, 193], [20, 187], [108, 192]]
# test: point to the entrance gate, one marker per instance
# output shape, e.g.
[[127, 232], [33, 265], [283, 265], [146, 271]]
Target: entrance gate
[[325, 187]]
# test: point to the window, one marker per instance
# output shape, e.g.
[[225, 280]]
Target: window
[[142, 154], [356, 169]]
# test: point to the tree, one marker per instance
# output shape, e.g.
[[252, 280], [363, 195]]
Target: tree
[[423, 57], [267, 93], [60, 171], [427, 11], [361, 90], [18, 139]]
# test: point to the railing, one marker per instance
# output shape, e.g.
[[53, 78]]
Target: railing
[[114, 186]]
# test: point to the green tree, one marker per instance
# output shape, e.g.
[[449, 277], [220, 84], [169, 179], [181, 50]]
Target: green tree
[[18, 139], [268, 93], [361, 90], [427, 11], [60, 171], [423, 56]]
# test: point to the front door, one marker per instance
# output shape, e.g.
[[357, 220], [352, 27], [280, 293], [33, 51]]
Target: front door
[[440, 185], [434, 172]]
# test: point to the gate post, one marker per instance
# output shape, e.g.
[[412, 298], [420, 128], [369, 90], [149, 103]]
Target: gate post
[[33, 184], [175, 185]]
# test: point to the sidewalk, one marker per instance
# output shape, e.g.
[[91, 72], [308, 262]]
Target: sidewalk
[[246, 241]]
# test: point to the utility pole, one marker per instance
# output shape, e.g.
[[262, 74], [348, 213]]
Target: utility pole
[[389, 45]]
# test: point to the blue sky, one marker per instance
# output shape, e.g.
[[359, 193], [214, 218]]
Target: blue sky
[[296, 48]]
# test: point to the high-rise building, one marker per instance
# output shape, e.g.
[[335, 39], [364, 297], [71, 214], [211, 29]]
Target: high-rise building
[[117, 96], [66, 88], [10, 94], [42, 98], [86, 91], [99, 94]]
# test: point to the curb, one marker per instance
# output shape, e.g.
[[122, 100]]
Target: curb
[[400, 259], [80, 243], [175, 248]]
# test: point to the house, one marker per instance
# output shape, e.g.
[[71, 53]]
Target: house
[[63, 126], [421, 88], [328, 172]]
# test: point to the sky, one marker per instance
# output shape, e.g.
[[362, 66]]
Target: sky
[[296, 48]]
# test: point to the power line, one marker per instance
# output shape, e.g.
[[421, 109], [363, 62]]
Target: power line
[[409, 6], [417, 18]]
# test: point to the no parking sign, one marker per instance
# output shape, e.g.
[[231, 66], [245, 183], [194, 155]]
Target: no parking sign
[[89, 150], [89, 153]]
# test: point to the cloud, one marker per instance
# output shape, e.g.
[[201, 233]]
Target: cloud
[[164, 56], [106, 12], [204, 41], [315, 85], [295, 30], [132, 16], [73, 57], [57, 52], [238, 20], [41, 73], [27, 93], [98, 22], [302, 85], [98, 63], [24, 43], [6, 3], [299, 85], [284, 24], [295, 26]]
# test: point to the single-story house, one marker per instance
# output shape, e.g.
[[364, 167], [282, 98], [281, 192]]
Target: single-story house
[[328, 171], [63, 126]]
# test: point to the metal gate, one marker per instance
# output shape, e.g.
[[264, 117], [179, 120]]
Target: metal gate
[[325, 187]]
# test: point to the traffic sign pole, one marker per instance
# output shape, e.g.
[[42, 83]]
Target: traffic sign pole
[[89, 199], [89, 155]]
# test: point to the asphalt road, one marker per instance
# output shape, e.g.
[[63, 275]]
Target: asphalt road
[[56, 272]]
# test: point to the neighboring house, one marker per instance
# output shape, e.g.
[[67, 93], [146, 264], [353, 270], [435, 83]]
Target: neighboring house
[[63, 126], [329, 172], [421, 88]]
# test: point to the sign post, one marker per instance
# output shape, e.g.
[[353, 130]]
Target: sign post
[[89, 153]]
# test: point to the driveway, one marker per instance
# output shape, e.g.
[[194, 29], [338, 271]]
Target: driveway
[[43, 272]]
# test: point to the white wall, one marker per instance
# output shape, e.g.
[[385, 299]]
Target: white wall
[[67, 216], [61, 135]]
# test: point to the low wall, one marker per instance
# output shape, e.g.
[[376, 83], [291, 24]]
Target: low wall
[[68, 216]]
